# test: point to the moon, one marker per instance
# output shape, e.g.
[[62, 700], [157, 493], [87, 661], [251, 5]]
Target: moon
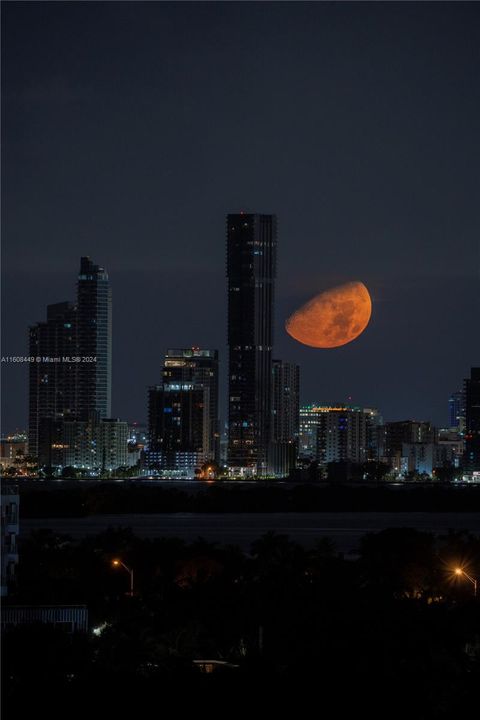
[[332, 318]]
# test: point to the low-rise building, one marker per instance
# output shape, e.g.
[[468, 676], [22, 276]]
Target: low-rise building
[[10, 502]]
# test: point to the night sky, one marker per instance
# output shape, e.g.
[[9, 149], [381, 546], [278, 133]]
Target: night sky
[[130, 130]]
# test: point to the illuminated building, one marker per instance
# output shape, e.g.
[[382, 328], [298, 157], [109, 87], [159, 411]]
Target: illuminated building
[[200, 368], [52, 381], [177, 418], [456, 410], [94, 342], [285, 420], [309, 419], [100, 446], [472, 421], [342, 435], [70, 371], [78, 445], [111, 447], [251, 269], [12, 448], [404, 432], [338, 432]]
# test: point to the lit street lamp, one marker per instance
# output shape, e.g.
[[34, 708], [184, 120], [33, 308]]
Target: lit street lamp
[[117, 563], [459, 571]]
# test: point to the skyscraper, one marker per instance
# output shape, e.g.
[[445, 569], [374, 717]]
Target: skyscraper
[[52, 381], [472, 421], [94, 340], [176, 420], [200, 368], [183, 412], [70, 379], [456, 411], [285, 416], [251, 269]]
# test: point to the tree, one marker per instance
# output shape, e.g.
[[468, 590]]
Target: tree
[[69, 473], [375, 471]]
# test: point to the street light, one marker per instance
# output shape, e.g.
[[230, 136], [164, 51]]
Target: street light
[[118, 563], [460, 571]]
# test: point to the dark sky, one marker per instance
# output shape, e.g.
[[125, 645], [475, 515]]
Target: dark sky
[[131, 129]]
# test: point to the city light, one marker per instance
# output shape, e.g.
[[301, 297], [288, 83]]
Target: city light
[[119, 563], [460, 572]]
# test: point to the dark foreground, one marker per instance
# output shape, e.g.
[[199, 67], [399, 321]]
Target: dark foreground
[[344, 530], [394, 622], [40, 499]]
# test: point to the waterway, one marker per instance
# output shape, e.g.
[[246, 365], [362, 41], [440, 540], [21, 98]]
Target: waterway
[[345, 529]]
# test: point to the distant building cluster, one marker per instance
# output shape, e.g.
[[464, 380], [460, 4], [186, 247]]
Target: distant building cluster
[[71, 431], [70, 423]]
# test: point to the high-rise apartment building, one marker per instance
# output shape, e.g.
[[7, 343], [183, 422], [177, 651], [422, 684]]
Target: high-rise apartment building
[[286, 401], [177, 419], [339, 432], [200, 368], [343, 435], [52, 380], [94, 342], [251, 270], [111, 444], [406, 431], [472, 421], [285, 417], [70, 376], [456, 411]]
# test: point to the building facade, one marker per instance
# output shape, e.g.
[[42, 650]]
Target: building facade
[[198, 367], [178, 418], [285, 417], [70, 378], [456, 410], [13, 450], [251, 270], [94, 342], [472, 421], [52, 380], [101, 446], [342, 435], [338, 432], [396, 434]]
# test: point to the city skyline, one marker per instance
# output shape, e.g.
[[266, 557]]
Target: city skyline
[[65, 309], [269, 434], [362, 141], [240, 445]]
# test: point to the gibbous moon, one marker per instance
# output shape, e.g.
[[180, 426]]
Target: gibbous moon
[[333, 318]]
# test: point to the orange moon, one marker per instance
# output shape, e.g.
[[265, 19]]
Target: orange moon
[[332, 318]]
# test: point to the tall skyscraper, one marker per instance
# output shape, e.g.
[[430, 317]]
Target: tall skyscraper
[[456, 411], [200, 368], [70, 379], [286, 401], [94, 340], [285, 417], [251, 269], [472, 421], [52, 381]]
